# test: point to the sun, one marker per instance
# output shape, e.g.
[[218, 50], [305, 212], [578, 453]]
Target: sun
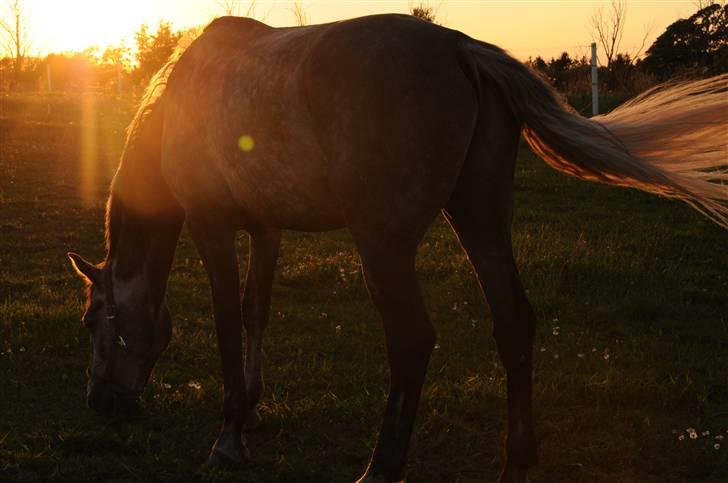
[[74, 25]]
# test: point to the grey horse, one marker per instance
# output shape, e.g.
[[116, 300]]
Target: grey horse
[[376, 124]]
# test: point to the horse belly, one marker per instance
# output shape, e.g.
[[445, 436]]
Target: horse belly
[[285, 192]]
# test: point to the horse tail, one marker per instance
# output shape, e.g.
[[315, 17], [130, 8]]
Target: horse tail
[[670, 140]]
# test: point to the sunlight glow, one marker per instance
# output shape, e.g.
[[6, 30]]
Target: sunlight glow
[[89, 161], [524, 28]]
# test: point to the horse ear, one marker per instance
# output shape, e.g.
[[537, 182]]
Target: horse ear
[[87, 270]]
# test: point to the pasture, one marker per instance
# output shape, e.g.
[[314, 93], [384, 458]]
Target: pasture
[[630, 291]]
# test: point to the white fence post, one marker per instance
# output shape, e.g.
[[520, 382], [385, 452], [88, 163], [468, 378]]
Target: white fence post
[[594, 80]]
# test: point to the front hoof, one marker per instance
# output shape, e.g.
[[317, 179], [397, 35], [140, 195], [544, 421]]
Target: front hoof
[[513, 474], [227, 453]]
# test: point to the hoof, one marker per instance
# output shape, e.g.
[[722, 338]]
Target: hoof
[[252, 421], [376, 479], [228, 454], [514, 475]]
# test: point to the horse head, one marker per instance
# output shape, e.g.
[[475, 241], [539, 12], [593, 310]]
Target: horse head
[[128, 331]]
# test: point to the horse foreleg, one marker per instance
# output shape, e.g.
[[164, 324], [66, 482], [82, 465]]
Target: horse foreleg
[[217, 251], [264, 248], [393, 287]]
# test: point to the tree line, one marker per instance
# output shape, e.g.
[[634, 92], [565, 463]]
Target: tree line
[[94, 67], [693, 47], [688, 48]]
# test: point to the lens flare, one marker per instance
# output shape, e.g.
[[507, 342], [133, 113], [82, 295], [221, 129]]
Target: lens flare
[[246, 143], [89, 161]]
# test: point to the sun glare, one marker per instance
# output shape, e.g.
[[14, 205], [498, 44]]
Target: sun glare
[[525, 28], [74, 25]]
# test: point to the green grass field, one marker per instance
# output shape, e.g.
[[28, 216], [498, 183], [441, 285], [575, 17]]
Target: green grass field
[[630, 291]]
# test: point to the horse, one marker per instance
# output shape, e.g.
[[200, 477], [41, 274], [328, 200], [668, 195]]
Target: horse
[[376, 124]]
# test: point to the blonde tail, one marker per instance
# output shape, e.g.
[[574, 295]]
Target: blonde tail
[[672, 140]]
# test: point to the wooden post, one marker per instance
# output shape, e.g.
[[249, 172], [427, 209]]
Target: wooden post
[[118, 77], [50, 87], [594, 80]]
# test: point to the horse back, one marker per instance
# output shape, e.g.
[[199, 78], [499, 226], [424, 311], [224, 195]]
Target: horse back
[[329, 110]]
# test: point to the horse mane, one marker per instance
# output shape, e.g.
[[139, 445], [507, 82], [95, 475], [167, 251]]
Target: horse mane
[[150, 101], [152, 94]]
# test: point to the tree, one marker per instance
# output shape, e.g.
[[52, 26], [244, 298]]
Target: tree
[[117, 55], [14, 26], [153, 50], [424, 11], [608, 29], [299, 14], [698, 44], [701, 4], [238, 8]]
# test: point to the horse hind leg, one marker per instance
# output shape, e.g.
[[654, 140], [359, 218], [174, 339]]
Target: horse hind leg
[[480, 214], [263, 255], [392, 284]]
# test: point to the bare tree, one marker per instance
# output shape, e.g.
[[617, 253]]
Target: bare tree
[[607, 28], [238, 8], [14, 26], [299, 14], [647, 31]]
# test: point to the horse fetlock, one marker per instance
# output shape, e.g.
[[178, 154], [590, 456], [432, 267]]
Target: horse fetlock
[[229, 449], [514, 474]]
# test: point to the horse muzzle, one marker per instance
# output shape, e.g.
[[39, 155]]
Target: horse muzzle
[[107, 400]]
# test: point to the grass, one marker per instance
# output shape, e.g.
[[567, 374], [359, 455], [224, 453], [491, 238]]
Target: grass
[[637, 286]]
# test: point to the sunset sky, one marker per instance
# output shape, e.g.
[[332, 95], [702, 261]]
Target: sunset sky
[[525, 28]]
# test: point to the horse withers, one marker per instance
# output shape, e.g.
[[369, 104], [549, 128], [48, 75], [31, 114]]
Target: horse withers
[[376, 124]]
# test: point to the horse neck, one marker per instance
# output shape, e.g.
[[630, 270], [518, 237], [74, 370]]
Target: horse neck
[[141, 242]]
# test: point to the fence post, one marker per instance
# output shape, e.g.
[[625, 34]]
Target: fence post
[[48, 76], [118, 77], [594, 80]]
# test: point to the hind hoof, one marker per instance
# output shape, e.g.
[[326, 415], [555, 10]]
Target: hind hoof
[[376, 479]]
